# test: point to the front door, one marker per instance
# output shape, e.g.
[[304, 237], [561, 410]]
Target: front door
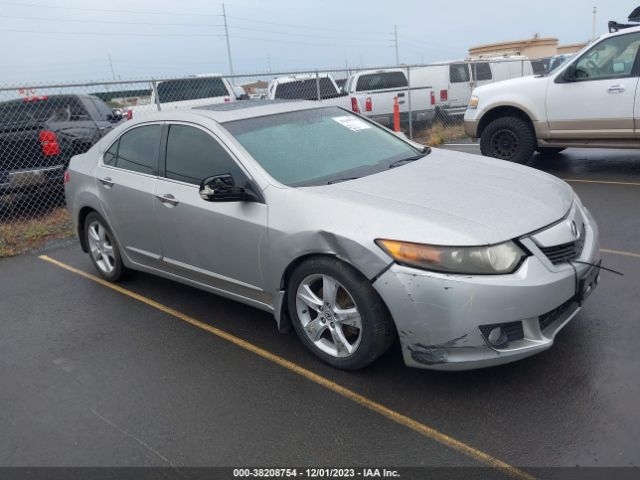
[[597, 101], [126, 178], [219, 244]]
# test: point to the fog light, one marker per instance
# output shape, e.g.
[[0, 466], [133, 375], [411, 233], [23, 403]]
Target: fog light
[[497, 337]]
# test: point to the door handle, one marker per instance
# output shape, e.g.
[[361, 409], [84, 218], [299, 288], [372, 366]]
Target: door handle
[[168, 200], [107, 182], [615, 89]]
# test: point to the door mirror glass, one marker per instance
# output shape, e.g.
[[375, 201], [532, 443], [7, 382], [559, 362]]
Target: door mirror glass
[[222, 188]]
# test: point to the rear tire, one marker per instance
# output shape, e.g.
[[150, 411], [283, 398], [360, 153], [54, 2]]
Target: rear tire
[[103, 248], [337, 314], [508, 138]]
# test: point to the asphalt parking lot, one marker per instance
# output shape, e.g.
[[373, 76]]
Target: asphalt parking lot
[[159, 374]]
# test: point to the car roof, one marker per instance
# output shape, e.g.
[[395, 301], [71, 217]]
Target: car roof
[[239, 110]]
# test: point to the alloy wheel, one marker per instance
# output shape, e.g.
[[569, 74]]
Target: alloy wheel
[[101, 247]]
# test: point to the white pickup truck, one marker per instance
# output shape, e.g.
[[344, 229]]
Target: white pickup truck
[[370, 93], [187, 93], [589, 101]]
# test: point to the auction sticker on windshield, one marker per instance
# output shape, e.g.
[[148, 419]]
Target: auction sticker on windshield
[[352, 123]]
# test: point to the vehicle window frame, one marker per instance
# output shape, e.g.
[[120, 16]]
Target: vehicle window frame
[[117, 139], [635, 68], [163, 153]]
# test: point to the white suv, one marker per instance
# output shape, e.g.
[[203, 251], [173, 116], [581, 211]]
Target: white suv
[[589, 101]]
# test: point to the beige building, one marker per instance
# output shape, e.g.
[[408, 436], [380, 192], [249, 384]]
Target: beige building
[[536, 47]]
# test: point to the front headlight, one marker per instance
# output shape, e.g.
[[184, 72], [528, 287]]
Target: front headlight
[[484, 260], [473, 102]]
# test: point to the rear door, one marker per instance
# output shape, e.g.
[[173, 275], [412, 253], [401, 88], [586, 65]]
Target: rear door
[[459, 85], [481, 74], [126, 178]]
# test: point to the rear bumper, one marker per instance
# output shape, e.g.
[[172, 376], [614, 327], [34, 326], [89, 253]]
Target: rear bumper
[[439, 317], [29, 178]]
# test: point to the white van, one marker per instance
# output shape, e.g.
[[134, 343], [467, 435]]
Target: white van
[[453, 81]]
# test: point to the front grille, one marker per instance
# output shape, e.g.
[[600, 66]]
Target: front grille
[[567, 251], [549, 317]]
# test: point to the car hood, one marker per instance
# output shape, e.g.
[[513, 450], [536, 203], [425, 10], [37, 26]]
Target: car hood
[[511, 85], [448, 198]]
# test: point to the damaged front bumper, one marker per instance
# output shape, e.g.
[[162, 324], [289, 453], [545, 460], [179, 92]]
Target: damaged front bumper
[[439, 316]]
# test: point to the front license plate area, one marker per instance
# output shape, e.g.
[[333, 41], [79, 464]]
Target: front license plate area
[[587, 283]]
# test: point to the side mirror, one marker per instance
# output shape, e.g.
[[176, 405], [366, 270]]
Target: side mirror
[[222, 188]]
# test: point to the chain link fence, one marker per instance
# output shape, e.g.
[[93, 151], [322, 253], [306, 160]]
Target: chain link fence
[[43, 126]]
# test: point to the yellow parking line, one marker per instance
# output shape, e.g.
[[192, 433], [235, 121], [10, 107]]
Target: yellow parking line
[[606, 182], [620, 252], [376, 407]]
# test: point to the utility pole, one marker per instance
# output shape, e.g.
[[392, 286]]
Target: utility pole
[[226, 34], [593, 28], [395, 36], [113, 72]]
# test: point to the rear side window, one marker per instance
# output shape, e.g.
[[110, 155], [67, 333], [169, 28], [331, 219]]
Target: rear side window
[[109, 157], [191, 89], [306, 89], [104, 111], [380, 81], [138, 149], [481, 71], [193, 155], [458, 72]]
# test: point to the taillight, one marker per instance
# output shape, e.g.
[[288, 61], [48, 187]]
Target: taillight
[[129, 114], [354, 105], [67, 178], [49, 143], [368, 105], [444, 95], [433, 98]]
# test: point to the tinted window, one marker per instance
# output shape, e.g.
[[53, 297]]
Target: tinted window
[[458, 72], [306, 89], [379, 81], [191, 89], [42, 109], [611, 58], [313, 147], [193, 155], [109, 157], [481, 71], [104, 112], [138, 149]]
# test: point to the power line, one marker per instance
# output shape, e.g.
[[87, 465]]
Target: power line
[[305, 43], [298, 34], [306, 27], [116, 22], [137, 12], [110, 34]]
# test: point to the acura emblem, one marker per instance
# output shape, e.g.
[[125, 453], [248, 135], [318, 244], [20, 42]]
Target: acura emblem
[[574, 228]]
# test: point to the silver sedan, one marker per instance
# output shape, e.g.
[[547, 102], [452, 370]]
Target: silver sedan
[[352, 234]]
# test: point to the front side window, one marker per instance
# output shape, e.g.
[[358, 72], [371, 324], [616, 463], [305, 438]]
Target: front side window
[[319, 146], [458, 73], [193, 155], [138, 149], [611, 58]]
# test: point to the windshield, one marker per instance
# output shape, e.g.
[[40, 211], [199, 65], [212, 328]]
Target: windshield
[[319, 146]]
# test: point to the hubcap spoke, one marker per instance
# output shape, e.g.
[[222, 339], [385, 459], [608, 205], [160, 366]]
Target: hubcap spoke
[[329, 291], [315, 329], [101, 232], [347, 316], [309, 298], [341, 343]]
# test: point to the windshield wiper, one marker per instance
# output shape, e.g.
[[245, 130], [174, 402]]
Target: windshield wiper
[[402, 161], [338, 180]]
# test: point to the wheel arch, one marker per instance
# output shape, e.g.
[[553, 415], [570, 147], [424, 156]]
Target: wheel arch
[[504, 111]]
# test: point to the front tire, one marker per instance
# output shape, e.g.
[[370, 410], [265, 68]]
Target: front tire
[[337, 314], [508, 138], [103, 249]]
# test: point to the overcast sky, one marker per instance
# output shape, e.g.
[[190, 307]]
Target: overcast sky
[[67, 40]]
